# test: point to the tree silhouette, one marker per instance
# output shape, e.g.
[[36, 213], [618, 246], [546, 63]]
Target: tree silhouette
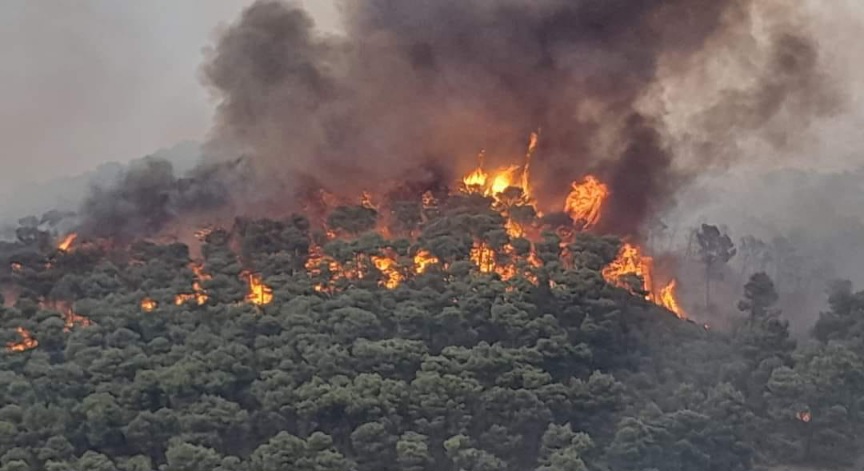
[[715, 250]]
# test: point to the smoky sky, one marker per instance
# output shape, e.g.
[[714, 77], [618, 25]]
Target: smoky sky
[[94, 81], [414, 84]]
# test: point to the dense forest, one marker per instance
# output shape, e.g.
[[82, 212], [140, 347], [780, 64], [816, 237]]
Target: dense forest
[[285, 348]]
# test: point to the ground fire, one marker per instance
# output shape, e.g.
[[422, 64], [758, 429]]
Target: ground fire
[[509, 190], [199, 294], [259, 294], [27, 341], [66, 243], [149, 305]]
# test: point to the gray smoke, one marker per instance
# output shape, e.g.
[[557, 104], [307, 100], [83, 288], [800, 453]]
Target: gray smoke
[[415, 84]]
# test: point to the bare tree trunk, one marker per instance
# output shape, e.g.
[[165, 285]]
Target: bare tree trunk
[[707, 287]]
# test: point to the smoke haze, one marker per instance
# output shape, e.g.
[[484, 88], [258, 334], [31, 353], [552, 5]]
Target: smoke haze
[[417, 84], [96, 81]]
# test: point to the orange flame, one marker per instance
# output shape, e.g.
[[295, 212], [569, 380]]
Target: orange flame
[[630, 261], [526, 169], [667, 299], [259, 294], [198, 295], [67, 242], [387, 266], [149, 305], [483, 256], [585, 201], [27, 341], [423, 260]]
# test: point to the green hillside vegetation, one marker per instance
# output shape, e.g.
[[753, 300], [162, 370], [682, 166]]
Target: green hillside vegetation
[[451, 370]]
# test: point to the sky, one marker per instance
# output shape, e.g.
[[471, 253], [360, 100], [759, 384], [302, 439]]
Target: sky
[[92, 81]]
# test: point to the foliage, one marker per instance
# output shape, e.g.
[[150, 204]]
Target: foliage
[[453, 369]]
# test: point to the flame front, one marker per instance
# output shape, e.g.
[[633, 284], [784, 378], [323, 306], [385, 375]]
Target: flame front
[[666, 298], [259, 294], [149, 305], [483, 256], [27, 341], [585, 201], [199, 294], [630, 261], [387, 266], [423, 260], [67, 242]]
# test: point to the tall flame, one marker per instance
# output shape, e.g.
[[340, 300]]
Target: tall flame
[[483, 256], [27, 341], [67, 242], [259, 294], [666, 298], [526, 169], [585, 201]]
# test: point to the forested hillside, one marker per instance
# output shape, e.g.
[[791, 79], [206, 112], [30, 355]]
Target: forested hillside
[[259, 357]]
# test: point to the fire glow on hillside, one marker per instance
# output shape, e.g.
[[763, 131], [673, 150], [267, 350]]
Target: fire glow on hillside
[[508, 191]]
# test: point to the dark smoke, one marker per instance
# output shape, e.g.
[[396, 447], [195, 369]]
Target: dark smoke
[[413, 82], [150, 196]]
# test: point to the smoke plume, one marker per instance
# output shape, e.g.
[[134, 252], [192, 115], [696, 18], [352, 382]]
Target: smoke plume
[[414, 84]]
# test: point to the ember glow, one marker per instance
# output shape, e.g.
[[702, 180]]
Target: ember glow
[[67, 242], [585, 201], [149, 305], [27, 341], [804, 416], [259, 294], [70, 317]]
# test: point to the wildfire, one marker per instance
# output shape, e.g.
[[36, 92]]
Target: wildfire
[[666, 298], [387, 266], [483, 256], [16, 267], [67, 242], [630, 261], [27, 341], [199, 294], [423, 260], [804, 416], [504, 179], [259, 294], [72, 319], [149, 305], [585, 201]]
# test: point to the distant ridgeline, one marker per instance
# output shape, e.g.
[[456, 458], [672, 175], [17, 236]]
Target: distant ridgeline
[[413, 356]]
